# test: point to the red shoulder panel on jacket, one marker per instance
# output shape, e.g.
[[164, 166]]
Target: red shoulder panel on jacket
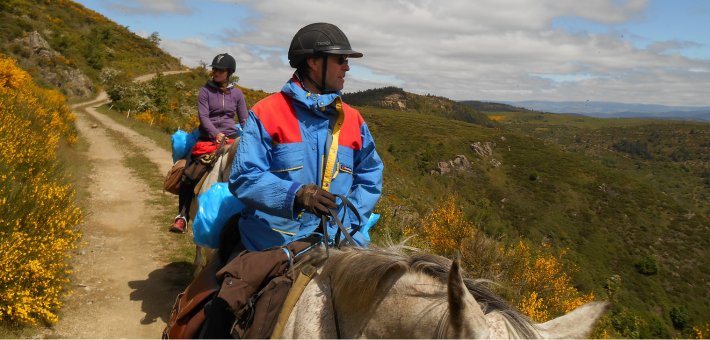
[[350, 132], [279, 118]]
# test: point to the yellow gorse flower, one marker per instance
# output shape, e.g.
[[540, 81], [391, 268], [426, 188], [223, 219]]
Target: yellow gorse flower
[[37, 213], [443, 229], [543, 286]]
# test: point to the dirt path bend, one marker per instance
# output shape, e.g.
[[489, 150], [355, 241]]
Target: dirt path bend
[[122, 289]]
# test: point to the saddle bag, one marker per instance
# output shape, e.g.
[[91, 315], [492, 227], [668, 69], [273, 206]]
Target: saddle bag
[[255, 286], [197, 170], [172, 180], [264, 308], [188, 313], [200, 166]]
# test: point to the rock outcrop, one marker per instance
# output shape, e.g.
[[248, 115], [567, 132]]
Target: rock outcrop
[[53, 67], [457, 164], [482, 149]]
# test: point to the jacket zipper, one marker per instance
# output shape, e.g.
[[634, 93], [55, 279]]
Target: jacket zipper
[[220, 117]]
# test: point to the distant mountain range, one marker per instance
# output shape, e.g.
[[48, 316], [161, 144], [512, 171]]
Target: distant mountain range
[[617, 110]]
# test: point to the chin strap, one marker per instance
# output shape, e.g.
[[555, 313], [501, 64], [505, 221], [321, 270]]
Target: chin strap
[[320, 87]]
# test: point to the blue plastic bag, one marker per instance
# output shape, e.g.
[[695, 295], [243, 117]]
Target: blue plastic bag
[[182, 143], [217, 205], [371, 222]]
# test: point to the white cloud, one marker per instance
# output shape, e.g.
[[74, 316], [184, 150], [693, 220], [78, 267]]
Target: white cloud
[[486, 50], [663, 46], [254, 71], [153, 7]]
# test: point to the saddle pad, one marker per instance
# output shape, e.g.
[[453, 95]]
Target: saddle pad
[[202, 148]]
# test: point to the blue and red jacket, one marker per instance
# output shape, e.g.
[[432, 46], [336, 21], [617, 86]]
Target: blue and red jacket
[[284, 147]]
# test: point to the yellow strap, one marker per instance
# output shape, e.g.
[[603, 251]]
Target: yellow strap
[[304, 277], [333, 152]]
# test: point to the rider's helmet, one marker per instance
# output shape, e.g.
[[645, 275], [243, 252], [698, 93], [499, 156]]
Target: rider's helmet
[[224, 61], [316, 40]]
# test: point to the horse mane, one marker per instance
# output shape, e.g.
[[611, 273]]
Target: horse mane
[[357, 273]]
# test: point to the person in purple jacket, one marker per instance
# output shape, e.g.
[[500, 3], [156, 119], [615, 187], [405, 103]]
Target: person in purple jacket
[[218, 104]]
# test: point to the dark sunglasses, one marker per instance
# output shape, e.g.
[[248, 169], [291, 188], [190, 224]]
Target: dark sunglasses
[[342, 59], [218, 70]]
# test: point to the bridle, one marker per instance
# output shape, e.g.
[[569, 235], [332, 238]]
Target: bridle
[[348, 237]]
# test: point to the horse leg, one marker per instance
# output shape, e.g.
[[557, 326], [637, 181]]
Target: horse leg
[[199, 262], [210, 255]]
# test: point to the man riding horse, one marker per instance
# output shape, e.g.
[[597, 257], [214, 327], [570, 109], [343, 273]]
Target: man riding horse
[[304, 144], [300, 148]]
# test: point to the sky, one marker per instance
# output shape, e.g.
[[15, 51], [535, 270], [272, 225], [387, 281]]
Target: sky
[[627, 51]]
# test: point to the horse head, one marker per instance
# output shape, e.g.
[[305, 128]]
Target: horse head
[[468, 321]]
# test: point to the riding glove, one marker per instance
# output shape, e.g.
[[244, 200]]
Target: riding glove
[[315, 200]]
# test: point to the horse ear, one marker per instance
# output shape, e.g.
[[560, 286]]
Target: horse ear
[[577, 324], [465, 315]]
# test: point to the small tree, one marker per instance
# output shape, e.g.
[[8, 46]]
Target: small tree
[[154, 38], [160, 93], [95, 50]]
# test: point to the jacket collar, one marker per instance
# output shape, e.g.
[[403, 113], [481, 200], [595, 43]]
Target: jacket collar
[[212, 84], [314, 102]]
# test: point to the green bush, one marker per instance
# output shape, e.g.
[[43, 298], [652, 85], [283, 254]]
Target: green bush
[[655, 329], [609, 162], [647, 265], [534, 176], [679, 317]]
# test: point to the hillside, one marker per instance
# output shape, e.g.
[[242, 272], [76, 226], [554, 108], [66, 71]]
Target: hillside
[[671, 156], [492, 107], [395, 98], [613, 225], [64, 45], [614, 110]]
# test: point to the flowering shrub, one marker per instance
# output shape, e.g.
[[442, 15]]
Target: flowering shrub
[[37, 213], [542, 288], [155, 118], [444, 229], [541, 279]]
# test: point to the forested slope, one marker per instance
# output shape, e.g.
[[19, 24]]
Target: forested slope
[[630, 242], [64, 45]]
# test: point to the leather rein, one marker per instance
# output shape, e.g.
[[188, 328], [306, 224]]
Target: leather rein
[[443, 325], [341, 230]]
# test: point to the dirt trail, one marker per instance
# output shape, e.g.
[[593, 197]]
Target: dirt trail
[[122, 289]]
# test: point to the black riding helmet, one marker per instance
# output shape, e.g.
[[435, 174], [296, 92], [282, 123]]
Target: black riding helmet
[[319, 40], [224, 61]]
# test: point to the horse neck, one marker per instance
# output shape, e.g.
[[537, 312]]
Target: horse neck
[[413, 307]]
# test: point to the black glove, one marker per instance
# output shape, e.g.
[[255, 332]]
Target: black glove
[[315, 200]]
